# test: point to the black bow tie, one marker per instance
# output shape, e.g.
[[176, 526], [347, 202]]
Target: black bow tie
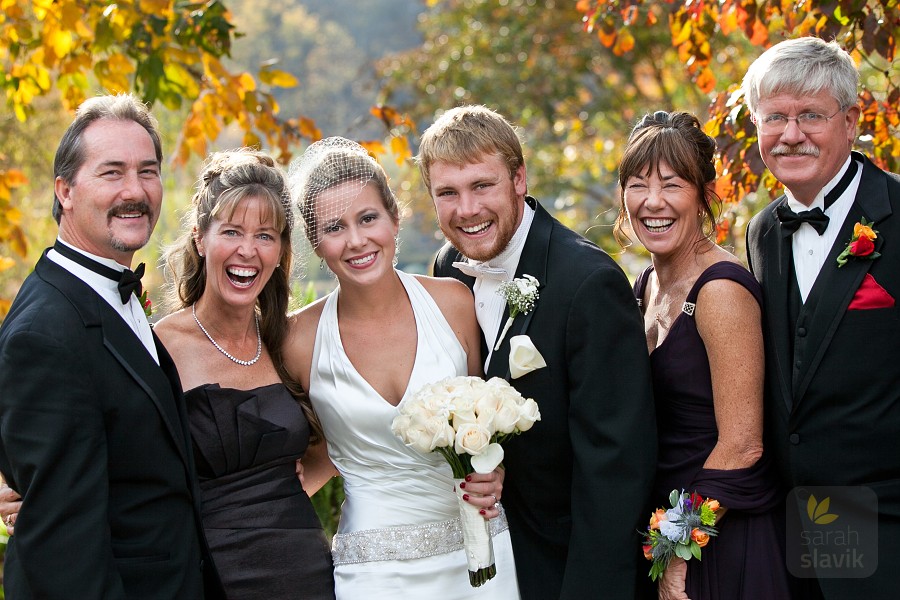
[[791, 221], [129, 281]]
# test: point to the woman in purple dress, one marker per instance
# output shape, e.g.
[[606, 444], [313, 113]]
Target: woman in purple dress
[[702, 318]]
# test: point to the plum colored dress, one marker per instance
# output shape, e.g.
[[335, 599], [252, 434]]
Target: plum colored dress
[[746, 560]]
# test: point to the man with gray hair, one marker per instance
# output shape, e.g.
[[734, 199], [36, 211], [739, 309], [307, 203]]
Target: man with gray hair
[[93, 429], [823, 254]]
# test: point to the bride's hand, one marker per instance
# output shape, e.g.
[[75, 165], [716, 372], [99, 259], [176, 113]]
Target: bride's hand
[[10, 504], [484, 491], [672, 582]]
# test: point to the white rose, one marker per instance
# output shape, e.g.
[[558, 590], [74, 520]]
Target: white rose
[[528, 414], [472, 439], [426, 434], [523, 356], [463, 417], [506, 419]]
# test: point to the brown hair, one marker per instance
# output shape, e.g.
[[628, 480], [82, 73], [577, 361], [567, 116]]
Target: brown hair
[[227, 179], [678, 140]]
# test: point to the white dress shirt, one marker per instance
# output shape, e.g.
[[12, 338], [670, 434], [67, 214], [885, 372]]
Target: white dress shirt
[[132, 312], [809, 248], [489, 304]]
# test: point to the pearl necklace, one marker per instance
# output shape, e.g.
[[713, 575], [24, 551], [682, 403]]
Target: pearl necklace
[[244, 363]]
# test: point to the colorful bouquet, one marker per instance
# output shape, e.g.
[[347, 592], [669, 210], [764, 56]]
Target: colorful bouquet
[[467, 419], [680, 531]]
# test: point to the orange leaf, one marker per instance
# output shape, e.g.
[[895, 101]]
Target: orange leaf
[[624, 42], [760, 34], [706, 81]]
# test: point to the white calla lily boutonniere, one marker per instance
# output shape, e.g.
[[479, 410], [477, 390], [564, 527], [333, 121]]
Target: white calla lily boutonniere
[[523, 356], [521, 294]]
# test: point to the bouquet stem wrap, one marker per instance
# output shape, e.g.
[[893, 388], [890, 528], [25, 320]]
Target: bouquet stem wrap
[[479, 548]]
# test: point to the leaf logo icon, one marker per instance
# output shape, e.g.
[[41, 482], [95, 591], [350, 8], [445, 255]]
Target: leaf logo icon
[[818, 511]]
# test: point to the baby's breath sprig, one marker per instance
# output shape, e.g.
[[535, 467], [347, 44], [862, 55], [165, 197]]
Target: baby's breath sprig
[[521, 293]]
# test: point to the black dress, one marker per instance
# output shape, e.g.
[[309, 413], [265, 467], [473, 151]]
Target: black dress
[[263, 532], [746, 559]]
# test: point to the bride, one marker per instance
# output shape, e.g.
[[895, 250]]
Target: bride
[[375, 340]]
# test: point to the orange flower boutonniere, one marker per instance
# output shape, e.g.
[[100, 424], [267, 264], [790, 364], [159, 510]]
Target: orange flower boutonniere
[[862, 244]]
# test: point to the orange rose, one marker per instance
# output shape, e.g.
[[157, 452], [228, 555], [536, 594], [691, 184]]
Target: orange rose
[[648, 552], [713, 504], [655, 518], [701, 538], [860, 230]]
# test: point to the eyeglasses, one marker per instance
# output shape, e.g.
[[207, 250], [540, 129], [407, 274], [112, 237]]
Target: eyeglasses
[[808, 122]]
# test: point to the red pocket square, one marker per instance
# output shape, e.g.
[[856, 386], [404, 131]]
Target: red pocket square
[[870, 295]]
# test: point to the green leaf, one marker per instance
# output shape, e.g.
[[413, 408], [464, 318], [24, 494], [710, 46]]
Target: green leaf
[[695, 549], [683, 551]]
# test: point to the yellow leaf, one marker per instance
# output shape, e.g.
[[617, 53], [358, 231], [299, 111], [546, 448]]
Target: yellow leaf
[[6, 263], [157, 7], [4, 307], [58, 43], [400, 149], [374, 147], [246, 81], [278, 78]]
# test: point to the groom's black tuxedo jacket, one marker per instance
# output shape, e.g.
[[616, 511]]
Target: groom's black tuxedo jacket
[[833, 381], [94, 436], [577, 483]]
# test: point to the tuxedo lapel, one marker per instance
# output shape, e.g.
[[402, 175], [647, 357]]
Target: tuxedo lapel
[[121, 342], [776, 285], [533, 261], [125, 346], [834, 287]]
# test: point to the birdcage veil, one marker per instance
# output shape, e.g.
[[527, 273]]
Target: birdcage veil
[[326, 179]]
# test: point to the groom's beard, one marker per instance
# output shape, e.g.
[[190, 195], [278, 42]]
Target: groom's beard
[[494, 240]]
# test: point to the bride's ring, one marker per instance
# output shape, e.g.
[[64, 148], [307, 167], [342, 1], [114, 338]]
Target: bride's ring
[[496, 502], [8, 520]]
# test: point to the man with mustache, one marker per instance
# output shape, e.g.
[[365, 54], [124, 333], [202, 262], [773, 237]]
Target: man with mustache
[[576, 484], [826, 255], [93, 431]]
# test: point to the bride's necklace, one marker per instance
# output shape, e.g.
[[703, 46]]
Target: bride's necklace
[[245, 363]]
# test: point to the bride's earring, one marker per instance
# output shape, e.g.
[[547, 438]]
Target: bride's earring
[[396, 250]]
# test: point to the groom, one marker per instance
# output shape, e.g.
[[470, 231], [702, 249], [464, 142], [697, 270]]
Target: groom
[[577, 484]]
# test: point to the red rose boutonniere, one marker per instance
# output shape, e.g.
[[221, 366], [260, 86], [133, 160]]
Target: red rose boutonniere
[[146, 304], [862, 244]]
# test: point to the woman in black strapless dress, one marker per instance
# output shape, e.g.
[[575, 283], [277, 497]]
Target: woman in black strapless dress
[[231, 277]]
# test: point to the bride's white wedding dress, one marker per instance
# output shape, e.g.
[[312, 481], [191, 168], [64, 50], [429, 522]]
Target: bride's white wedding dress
[[399, 531]]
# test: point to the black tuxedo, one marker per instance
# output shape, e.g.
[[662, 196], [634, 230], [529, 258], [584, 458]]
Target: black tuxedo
[[833, 380], [578, 482], [94, 436]]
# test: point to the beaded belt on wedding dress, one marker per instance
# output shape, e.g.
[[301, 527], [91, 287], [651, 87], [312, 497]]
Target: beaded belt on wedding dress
[[403, 543]]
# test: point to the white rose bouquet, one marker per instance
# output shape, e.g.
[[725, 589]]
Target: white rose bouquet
[[467, 419]]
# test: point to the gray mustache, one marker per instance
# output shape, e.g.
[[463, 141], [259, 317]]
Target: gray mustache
[[783, 150]]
